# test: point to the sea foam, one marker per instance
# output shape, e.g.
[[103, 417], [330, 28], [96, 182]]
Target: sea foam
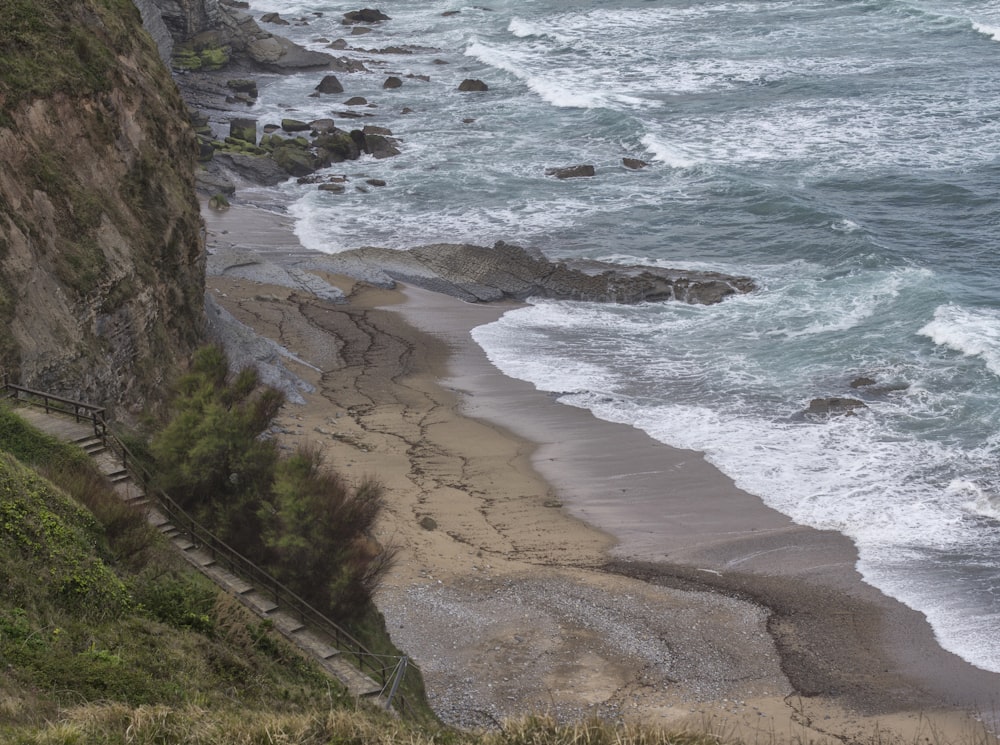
[[973, 332]]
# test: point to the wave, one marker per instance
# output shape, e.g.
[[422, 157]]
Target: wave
[[667, 153], [992, 32], [972, 332], [544, 85]]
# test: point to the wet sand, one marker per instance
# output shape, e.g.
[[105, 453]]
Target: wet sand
[[553, 562]]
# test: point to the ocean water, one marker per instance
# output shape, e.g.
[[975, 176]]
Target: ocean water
[[844, 153]]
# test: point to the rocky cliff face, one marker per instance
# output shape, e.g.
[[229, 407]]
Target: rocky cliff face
[[101, 245]]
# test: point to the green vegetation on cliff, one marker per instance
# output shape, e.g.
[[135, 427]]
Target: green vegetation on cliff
[[100, 614]]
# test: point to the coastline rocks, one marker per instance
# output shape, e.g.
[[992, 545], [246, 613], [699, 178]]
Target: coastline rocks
[[833, 406], [273, 18], [244, 129], [472, 86], [365, 15], [380, 146], [294, 125], [581, 171], [506, 271], [634, 164], [392, 82], [264, 171], [330, 84]]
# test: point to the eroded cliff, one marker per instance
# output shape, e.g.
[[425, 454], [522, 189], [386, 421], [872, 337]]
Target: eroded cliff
[[101, 244]]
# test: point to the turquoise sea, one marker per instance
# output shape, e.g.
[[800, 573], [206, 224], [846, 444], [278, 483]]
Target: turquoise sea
[[844, 153]]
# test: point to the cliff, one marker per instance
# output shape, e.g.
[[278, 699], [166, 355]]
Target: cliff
[[101, 241]]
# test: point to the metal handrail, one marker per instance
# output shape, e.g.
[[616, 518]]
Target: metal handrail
[[254, 574], [220, 550], [77, 409]]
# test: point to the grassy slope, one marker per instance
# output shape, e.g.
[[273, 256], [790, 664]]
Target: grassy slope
[[107, 636]]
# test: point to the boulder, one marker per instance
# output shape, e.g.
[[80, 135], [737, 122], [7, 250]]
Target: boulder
[[392, 82], [356, 101], [862, 382], [634, 164], [253, 168], [330, 84], [333, 188], [244, 129], [273, 18], [294, 125], [469, 85], [322, 126], [360, 30], [380, 146], [336, 147], [834, 406], [365, 15], [581, 171], [375, 182], [338, 44], [372, 129], [294, 160]]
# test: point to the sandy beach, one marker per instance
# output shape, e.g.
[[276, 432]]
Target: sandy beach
[[551, 562]]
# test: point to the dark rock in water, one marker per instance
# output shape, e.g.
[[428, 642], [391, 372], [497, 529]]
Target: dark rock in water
[[338, 44], [862, 382], [469, 85], [322, 126], [244, 129], [375, 182], [356, 101], [634, 164], [365, 15], [273, 18], [294, 160], [336, 147], [277, 54], [380, 146], [834, 406], [505, 271], [392, 82], [581, 171], [330, 84], [270, 128], [373, 129], [294, 125], [332, 188], [360, 30]]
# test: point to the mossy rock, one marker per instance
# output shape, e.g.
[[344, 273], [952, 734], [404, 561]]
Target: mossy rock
[[338, 146], [214, 58], [186, 59], [296, 161], [272, 141], [294, 125], [243, 129]]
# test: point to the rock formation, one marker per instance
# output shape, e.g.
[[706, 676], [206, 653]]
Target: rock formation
[[506, 271]]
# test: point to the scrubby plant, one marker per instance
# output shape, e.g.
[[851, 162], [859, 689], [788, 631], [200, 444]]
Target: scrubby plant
[[291, 516], [317, 530]]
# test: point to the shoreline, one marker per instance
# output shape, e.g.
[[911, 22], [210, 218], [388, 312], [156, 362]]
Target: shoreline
[[544, 614]]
